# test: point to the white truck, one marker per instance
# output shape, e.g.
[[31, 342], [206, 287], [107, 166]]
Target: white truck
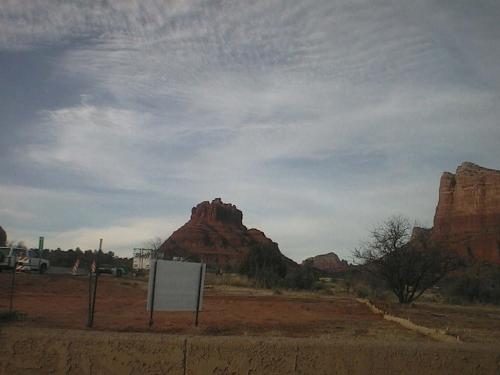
[[31, 260], [9, 257]]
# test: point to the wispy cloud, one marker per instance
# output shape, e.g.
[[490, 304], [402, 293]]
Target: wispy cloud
[[99, 143], [335, 111]]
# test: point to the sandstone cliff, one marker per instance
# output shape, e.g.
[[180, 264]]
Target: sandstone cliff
[[3, 237], [329, 263], [215, 235], [467, 216]]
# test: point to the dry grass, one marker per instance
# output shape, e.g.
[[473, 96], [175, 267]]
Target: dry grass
[[229, 279]]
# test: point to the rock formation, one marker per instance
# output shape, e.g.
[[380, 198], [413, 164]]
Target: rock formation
[[467, 216], [329, 263], [3, 237], [215, 235]]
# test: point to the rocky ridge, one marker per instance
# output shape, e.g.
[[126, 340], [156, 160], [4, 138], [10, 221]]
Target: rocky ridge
[[467, 217], [215, 235], [329, 263]]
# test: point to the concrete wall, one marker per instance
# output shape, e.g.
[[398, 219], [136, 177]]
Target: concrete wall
[[44, 351]]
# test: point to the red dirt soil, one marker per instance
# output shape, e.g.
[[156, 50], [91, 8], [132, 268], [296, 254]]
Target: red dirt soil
[[475, 323], [61, 301]]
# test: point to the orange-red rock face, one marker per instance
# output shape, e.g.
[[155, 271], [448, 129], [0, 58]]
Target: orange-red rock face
[[215, 234], [330, 263], [468, 213]]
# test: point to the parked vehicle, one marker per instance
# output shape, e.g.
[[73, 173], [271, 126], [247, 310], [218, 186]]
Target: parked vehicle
[[9, 257], [112, 270], [31, 260], [142, 259]]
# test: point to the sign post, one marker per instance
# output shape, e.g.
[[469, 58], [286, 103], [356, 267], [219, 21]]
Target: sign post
[[40, 243], [12, 286], [89, 312], [94, 270], [152, 308], [199, 292]]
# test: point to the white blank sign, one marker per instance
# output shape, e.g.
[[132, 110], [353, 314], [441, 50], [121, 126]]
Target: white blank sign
[[177, 285]]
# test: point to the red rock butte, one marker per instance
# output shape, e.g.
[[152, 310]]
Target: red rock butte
[[215, 235], [467, 216], [329, 263]]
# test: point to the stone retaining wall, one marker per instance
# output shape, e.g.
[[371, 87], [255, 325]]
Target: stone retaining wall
[[45, 351]]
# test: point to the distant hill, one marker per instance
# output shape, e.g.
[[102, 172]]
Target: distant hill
[[329, 263], [215, 235]]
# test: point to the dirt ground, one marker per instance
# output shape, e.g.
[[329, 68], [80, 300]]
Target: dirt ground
[[242, 330], [475, 324], [60, 301]]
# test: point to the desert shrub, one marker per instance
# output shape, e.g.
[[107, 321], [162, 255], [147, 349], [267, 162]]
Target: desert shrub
[[408, 266], [268, 268], [322, 288], [364, 284], [11, 316], [479, 284], [267, 278], [362, 290], [67, 258], [240, 281], [372, 292], [301, 278], [229, 279], [266, 265]]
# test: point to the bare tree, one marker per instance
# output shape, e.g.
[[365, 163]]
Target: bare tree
[[18, 244], [408, 266], [154, 244]]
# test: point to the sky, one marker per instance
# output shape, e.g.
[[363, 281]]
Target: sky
[[318, 119]]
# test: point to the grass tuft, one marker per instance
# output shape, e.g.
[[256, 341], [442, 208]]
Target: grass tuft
[[11, 316]]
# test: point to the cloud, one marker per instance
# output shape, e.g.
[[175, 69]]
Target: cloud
[[120, 237], [316, 118], [97, 142], [43, 22], [16, 215], [27, 211]]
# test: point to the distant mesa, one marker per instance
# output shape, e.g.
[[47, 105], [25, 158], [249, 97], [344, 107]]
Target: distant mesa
[[329, 263], [467, 216], [3, 237], [215, 235]]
